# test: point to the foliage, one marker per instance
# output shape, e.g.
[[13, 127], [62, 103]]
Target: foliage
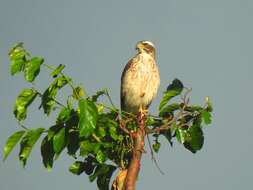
[[96, 135]]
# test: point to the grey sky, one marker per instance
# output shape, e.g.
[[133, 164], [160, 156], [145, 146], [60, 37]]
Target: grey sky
[[207, 44]]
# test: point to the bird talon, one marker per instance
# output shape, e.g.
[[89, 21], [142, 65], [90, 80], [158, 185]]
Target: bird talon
[[143, 112]]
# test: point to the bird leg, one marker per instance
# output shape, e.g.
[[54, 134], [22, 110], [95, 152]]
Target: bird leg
[[142, 112], [141, 118]]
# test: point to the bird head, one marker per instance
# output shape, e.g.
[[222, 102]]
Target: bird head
[[146, 47]]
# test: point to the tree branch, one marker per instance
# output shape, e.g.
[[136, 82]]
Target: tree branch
[[153, 156], [168, 125], [134, 166]]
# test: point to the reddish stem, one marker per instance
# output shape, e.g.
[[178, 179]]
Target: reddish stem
[[134, 166]]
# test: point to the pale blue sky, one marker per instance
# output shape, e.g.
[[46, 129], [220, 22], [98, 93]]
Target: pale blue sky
[[208, 44]]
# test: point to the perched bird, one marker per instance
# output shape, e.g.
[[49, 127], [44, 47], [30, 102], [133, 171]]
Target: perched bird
[[140, 79]]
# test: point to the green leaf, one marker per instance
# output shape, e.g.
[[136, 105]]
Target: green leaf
[[24, 99], [11, 143], [197, 121], [174, 89], [48, 97], [98, 171], [156, 146], [196, 140], [101, 132], [72, 142], [101, 157], [99, 93], [193, 108], [206, 117], [77, 167], [113, 132], [18, 58], [64, 115], [61, 82], [169, 109], [105, 123], [103, 172], [90, 164], [53, 130], [17, 66], [27, 144], [168, 136], [100, 108], [78, 93], [47, 153], [182, 135], [57, 71], [32, 68], [209, 104], [88, 117], [19, 47], [59, 141], [87, 147], [103, 180]]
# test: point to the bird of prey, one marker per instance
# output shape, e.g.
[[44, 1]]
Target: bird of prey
[[140, 79]]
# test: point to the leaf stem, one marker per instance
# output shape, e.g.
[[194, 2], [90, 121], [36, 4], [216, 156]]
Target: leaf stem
[[153, 156], [23, 126], [164, 126], [56, 101], [96, 137], [62, 74], [109, 97]]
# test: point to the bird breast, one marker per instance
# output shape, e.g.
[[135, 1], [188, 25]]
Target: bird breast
[[140, 83]]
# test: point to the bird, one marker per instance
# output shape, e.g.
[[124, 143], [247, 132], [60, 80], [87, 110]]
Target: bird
[[140, 79]]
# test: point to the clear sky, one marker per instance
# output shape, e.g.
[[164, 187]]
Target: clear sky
[[208, 44]]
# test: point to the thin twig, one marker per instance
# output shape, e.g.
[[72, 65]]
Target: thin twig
[[153, 156], [117, 111], [185, 98], [69, 81], [166, 126], [109, 97], [24, 127], [62, 74], [122, 126], [56, 101], [96, 137], [154, 116]]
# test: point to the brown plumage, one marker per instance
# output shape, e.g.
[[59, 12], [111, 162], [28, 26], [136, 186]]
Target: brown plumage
[[140, 79]]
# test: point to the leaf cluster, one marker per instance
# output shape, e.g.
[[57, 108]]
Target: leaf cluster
[[98, 136], [180, 120]]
